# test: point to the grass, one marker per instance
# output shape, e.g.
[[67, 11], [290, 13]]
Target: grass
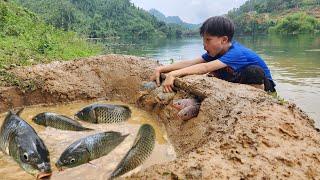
[[279, 99], [26, 40]]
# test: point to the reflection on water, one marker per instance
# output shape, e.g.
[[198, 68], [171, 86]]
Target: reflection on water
[[57, 140], [294, 62]]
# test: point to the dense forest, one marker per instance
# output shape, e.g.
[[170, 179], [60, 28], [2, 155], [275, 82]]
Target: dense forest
[[277, 16], [102, 18]]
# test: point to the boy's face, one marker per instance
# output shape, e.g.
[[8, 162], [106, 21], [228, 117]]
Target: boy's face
[[215, 45]]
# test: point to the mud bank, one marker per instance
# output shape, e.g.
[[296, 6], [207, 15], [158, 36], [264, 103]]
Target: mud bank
[[240, 132]]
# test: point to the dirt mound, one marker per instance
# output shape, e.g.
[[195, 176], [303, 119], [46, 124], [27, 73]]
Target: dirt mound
[[114, 77], [240, 132]]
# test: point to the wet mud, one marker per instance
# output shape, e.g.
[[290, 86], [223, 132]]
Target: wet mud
[[58, 140]]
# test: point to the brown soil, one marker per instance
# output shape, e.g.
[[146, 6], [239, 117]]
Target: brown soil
[[240, 132]]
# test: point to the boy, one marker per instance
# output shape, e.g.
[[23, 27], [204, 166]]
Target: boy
[[225, 59]]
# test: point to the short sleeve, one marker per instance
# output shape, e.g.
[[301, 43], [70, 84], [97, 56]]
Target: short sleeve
[[208, 58]]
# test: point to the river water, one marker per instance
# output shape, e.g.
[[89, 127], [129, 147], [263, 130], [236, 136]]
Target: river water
[[294, 62], [101, 168]]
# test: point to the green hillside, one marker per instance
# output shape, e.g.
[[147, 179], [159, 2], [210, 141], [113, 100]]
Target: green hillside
[[25, 39], [278, 16], [102, 18]]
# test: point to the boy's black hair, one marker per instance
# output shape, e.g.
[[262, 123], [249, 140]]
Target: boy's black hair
[[218, 26]]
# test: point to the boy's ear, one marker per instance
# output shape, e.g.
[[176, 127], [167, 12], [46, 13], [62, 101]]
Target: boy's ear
[[225, 39]]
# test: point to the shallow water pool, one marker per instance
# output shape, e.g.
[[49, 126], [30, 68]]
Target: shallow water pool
[[57, 140]]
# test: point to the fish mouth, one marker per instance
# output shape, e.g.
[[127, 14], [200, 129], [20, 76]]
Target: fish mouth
[[76, 116], [44, 175], [59, 167], [175, 107]]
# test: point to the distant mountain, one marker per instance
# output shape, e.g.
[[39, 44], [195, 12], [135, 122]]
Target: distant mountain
[[172, 19], [158, 15], [175, 20]]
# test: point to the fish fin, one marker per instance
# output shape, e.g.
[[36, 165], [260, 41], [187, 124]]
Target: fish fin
[[92, 114], [11, 112], [87, 129], [93, 165], [136, 140], [18, 113], [7, 150], [76, 145]]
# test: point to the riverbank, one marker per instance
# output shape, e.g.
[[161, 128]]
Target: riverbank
[[240, 132]]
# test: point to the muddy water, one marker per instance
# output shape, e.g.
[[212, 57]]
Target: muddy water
[[57, 140]]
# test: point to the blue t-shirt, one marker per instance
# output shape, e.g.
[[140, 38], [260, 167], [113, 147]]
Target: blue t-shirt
[[238, 57]]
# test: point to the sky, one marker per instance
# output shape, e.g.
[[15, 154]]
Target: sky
[[190, 11]]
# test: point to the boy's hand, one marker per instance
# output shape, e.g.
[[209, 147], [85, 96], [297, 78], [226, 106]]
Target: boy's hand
[[156, 76], [168, 83]]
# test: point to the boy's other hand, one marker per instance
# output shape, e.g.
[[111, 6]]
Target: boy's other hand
[[168, 83], [156, 76]]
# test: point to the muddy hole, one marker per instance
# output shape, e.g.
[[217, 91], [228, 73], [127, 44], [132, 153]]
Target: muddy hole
[[58, 140]]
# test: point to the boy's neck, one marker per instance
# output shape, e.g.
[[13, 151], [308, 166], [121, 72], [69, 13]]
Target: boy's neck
[[225, 48]]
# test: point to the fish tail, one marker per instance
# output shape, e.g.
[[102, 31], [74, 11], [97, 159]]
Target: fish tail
[[13, 112], [127, 109], [87, 129], [19, 111], [124, 136]]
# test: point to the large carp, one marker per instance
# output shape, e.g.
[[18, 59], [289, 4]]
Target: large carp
[[89, 148], [58, 121], [19, 140], [104, 113], [139, 152]]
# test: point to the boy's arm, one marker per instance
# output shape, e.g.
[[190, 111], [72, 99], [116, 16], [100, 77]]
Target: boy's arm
[[174, 66], [195, 69]]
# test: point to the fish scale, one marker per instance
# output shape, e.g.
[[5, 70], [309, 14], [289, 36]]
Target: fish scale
[[95, 146], [139, 152], [58, 121], [60, 124], [6, 132], [104, 113], [111, 115], [97, 151], [103, 139]]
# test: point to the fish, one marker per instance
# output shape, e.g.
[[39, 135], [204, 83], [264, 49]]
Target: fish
[[162, 97], [58, 121], [148, 86], [104, 113], [89, 148], [20, 141], [141, 149], [189, 112], [182, 103]]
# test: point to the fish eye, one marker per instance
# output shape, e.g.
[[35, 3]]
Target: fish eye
[[179, 103], [25, 156], [185, 114], [72, 160]]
